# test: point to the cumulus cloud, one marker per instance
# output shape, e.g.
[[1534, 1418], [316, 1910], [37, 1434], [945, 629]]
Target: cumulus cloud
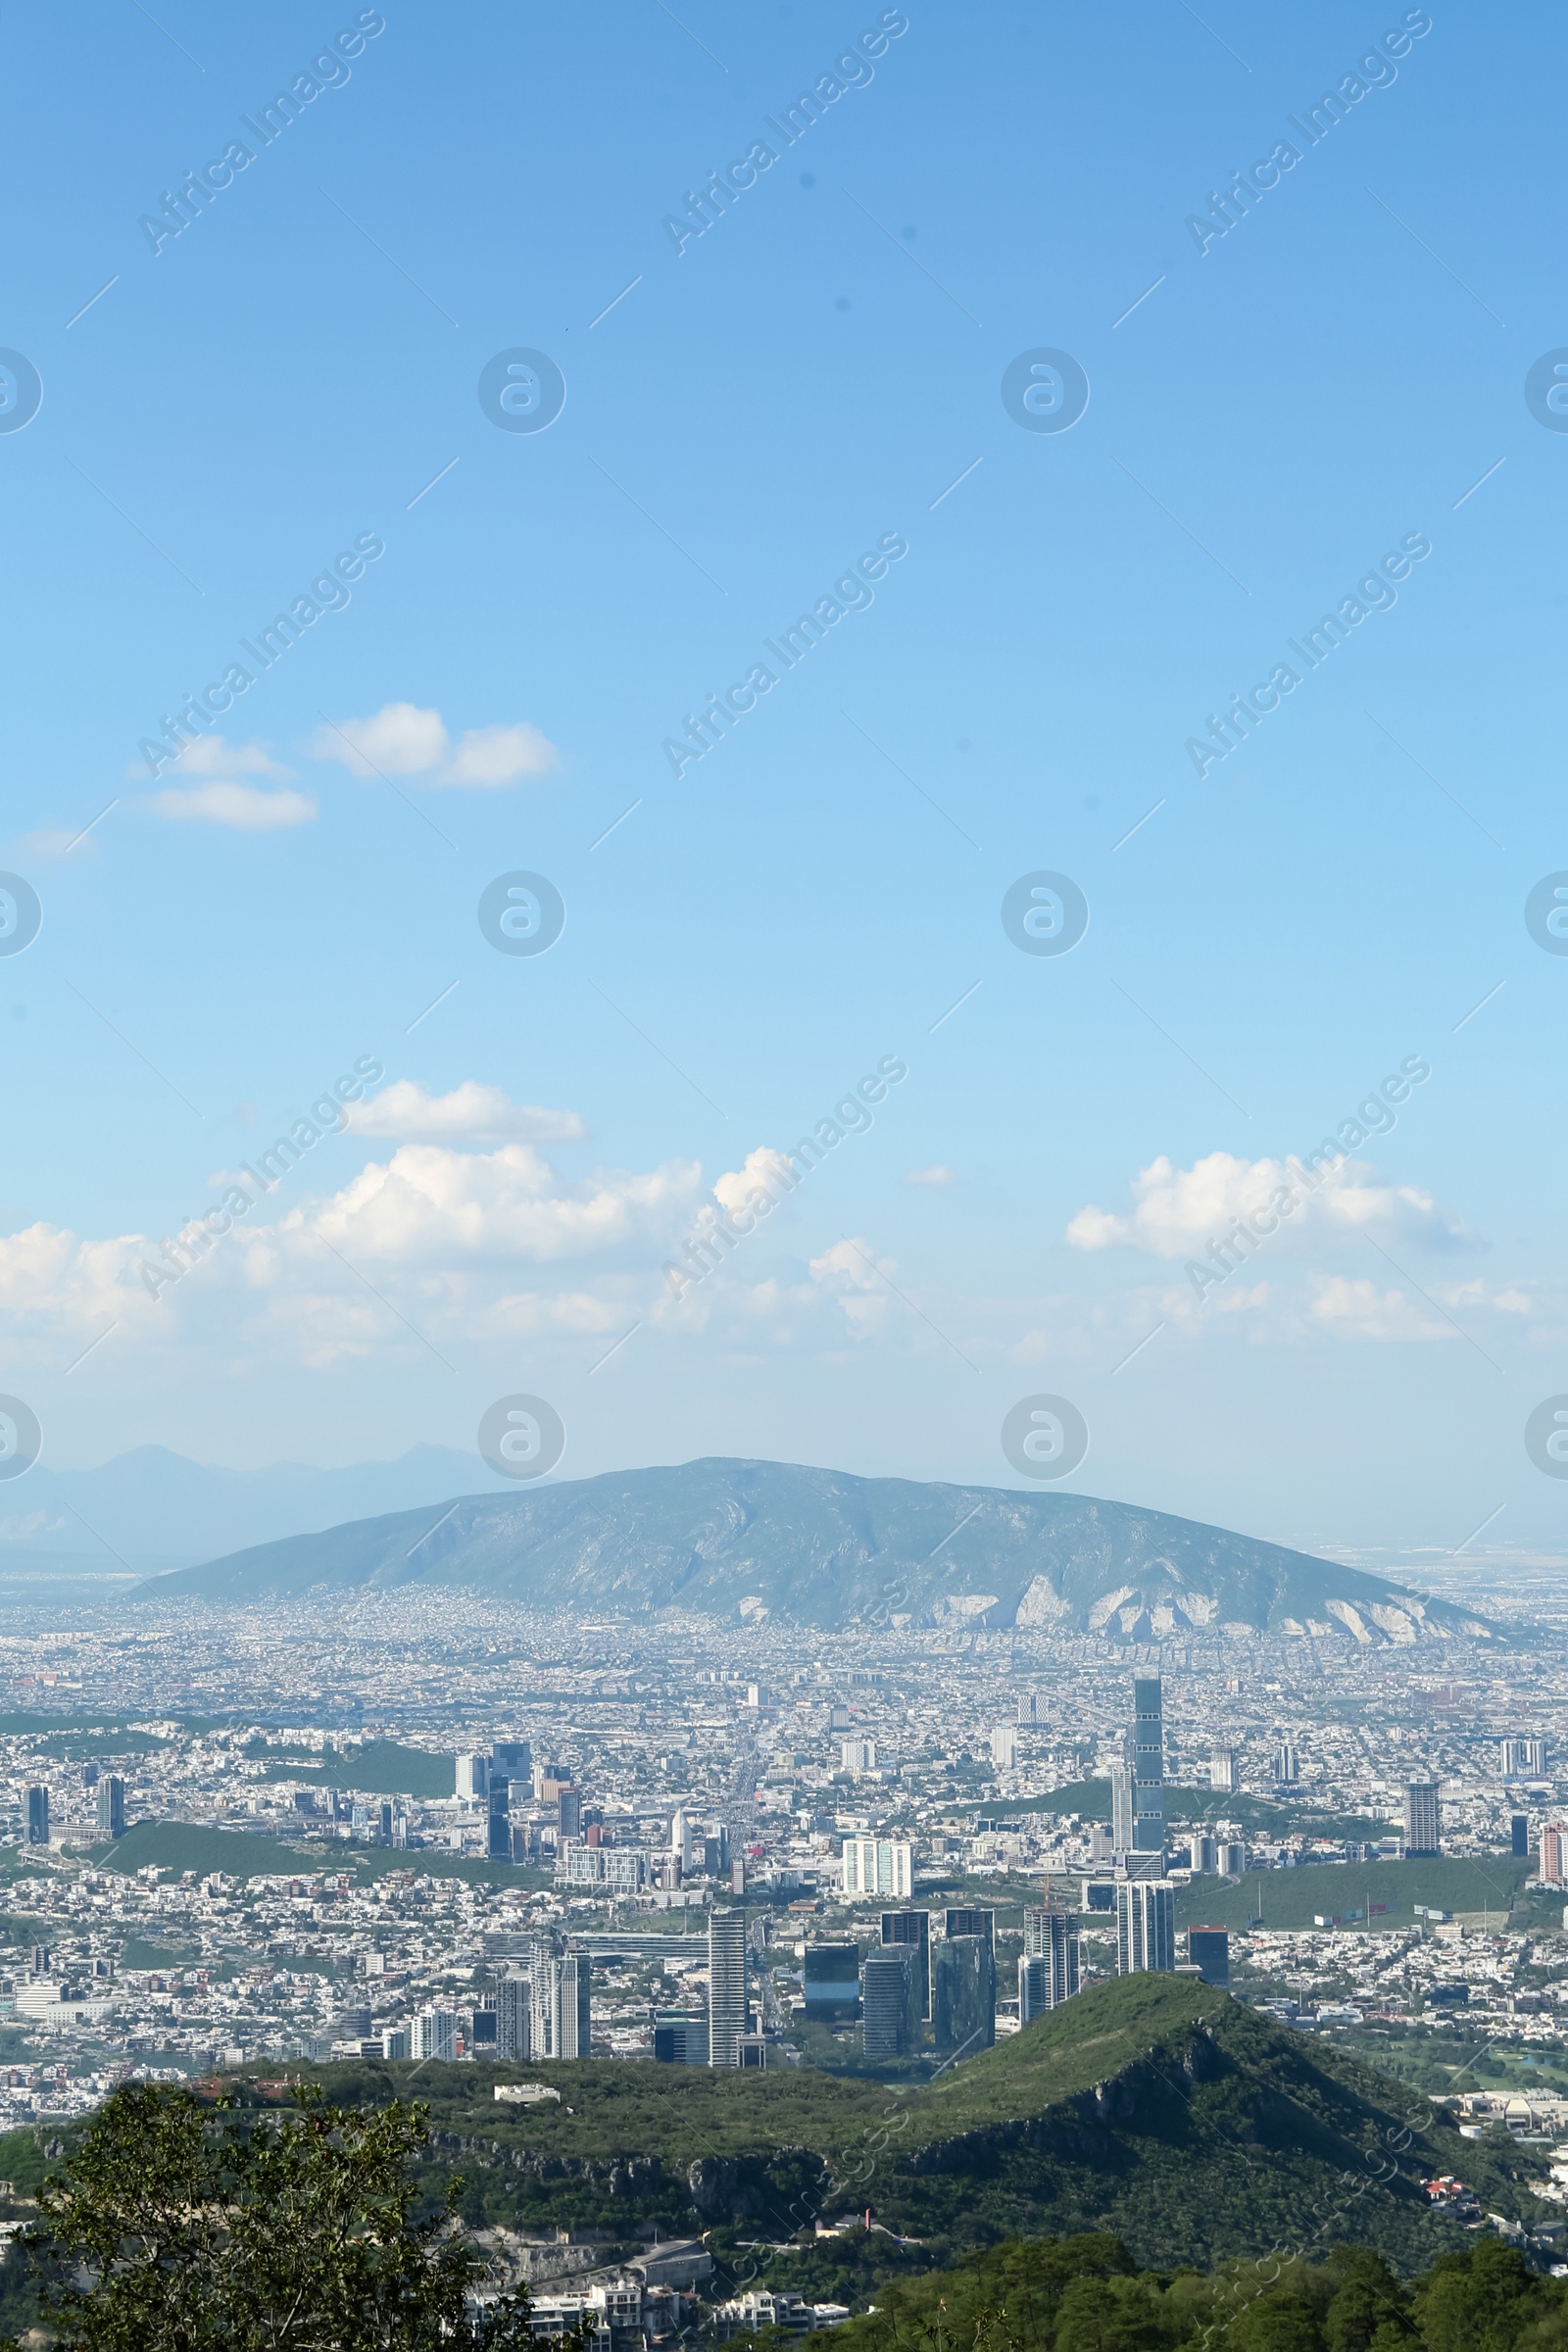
[[428, 1205], [1177, 1212], [402, 740], [242, 807], [469, 1113], [853, 1274], [211, 755], [762, 1170]]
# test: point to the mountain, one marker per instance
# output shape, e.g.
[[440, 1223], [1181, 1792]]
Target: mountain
[[746, 1541], [151, 1509], [1155, 2107]]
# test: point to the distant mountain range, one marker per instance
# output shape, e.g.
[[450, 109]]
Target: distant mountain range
[[746, 1540], [153, 1509]]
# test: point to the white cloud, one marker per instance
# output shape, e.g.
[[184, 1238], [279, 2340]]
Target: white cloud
[[469, 1113], [1359, 1310], [243, 807], [211, 755], [492, 756], [763, 1171], [402, 740], [432, 1206], [940, 1175], [853, 1273], [1178, 1211]]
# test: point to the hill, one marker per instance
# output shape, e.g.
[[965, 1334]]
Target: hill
[[1154, 2108], [745, 1539]]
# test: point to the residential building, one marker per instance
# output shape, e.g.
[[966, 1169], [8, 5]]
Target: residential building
[[912, 1928], [1052, 1939], [514, 2018], [1422, 1820], [1287, 1766], [1222, 1770], [727, 1985], [1230, 1858], [1551, 1854], [1524, 1759], [856, 1755], [878, 1865], [1146, 1926], [434, 2034], [571, 1985], [474, 1778], [1004, 1747]]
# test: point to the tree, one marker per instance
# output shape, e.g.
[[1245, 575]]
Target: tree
[[176, 2227]]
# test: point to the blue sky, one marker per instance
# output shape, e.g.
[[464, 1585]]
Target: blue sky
[[818, 375]]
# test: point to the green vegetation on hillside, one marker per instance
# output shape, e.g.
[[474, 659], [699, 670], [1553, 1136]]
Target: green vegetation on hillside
[[1202, 1808], [1153, 2107], [381, 1768], [1293, 1898], [182, 1846]]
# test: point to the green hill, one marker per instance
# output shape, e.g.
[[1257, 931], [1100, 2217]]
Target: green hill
[[1154, 2108], [187, 1845]]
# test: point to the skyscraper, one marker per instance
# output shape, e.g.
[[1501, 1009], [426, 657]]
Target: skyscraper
[[1148, 1766], [1551, 1854], [891, 2001], [1519, 1839], [473, 1778], [963, 1994], [498, 1836], [912, 1928], [571, 1987], [38, 1815], [1034, 1970], [1288, 1767], [514, 2018], [1123, 1828], [111, 1807], [1052, 1939], [967, 1922], [511, 1760], [1146, 1926], [1209, 1951], [878, 1865], [830, 1980], [727, 1985], [1222, 1770], [1422, 1820]]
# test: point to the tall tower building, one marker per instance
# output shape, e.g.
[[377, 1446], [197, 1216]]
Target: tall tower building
[[1146, 1926], [571, 1985], [514, 2018], [727, 1987], [38, 1815], [112, 1805], [1122, 1825], [1049, 1937], [1551, 1854], [473, 1778], [498, 1824], [1422, 1822], [912, 1928], [1148, 1766]]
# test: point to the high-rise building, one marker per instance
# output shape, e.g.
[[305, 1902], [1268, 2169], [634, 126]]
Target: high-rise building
[[498, 1837], [878, 1865], [384, 1821], [856, 1755], [1519, 1834], [570, 1987], [1524, 1759], [511, 1760], [830, 1979], [1422, 1818], [727, 1985], [682, 1840], [967, 1922], [473, 1778], [1004, 1747], [1034, 1975], [111, 1807], [38, 1815], [514, 2018], [963, 1994], [1204, 1854], [1288, 1766], [434, 2034], [1222, 1770], [1209, 1951], [1102, 1844], [891, 2001], [912, 1928], [1052, 1939], [1124, 1823], [1031, 1707], [1230, 1858], [1148, 1766], [1146, 1926], [569, 1812], [1551, 1854]]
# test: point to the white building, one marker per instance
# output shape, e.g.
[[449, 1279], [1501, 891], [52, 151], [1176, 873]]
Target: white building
[[856, 1755], [473, 1778], [1004, 1747], [878, 1865]]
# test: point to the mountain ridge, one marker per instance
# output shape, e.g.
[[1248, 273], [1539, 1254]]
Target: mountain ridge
[[749, 1540]]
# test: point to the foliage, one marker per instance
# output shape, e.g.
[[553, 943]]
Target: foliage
[[174, 2226]]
